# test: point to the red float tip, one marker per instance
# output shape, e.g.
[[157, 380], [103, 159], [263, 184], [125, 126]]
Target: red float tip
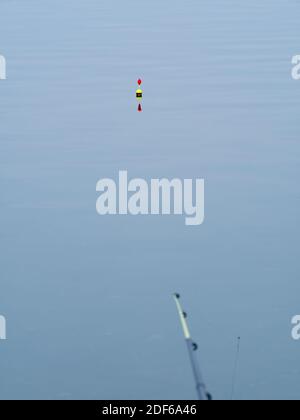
[[139, 82]]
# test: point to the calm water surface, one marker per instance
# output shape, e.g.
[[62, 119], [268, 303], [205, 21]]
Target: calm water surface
[[88, 299]]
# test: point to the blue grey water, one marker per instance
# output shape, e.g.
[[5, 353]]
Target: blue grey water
[[87, 298]]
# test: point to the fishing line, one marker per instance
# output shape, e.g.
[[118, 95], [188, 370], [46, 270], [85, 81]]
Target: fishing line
[[235, 369]]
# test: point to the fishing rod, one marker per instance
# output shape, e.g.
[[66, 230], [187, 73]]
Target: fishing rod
[[202, 393], [235, 369]]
